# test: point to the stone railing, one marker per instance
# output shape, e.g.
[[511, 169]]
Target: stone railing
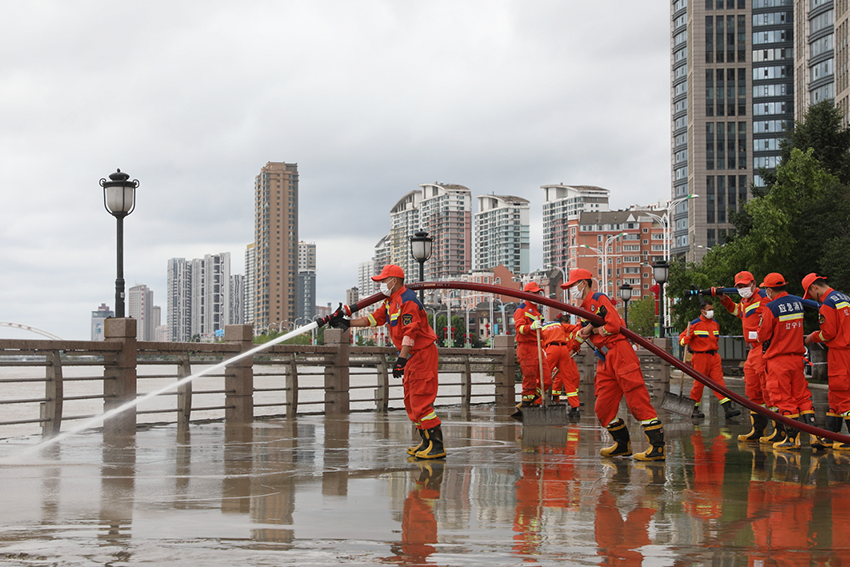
[[49, 385]]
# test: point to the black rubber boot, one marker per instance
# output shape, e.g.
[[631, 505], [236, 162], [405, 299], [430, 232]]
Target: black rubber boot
[[416, 448], [730, 410], [697, 414], [654, 431], [622, 446], [759, 424], [815, 442], [434, 448], [777, 435], [838, 445], [792, 437]]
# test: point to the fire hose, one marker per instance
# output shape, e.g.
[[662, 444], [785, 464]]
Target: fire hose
[[637, 339]]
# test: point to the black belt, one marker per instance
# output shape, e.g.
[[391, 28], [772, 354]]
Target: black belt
[[711, 352], [559, 344]]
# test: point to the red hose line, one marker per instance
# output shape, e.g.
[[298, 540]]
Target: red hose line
[[673, 361]]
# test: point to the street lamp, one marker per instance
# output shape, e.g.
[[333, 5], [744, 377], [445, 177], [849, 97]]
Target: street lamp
[[119, 200], [421, 246], [604, 255], [666, 222], [626, 295], [661, 271]]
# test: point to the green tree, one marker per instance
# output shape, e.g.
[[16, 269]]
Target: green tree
[[642, 316]]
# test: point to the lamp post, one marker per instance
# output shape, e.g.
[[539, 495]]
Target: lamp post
[[626, 295], [666, 222], [661, 271], [119, 200], [604, 255], [421, 246]]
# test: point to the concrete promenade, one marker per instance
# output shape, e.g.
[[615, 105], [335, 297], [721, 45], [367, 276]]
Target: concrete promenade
[[320, 490]]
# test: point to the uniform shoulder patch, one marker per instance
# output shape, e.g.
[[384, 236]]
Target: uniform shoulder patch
[[406, 319]]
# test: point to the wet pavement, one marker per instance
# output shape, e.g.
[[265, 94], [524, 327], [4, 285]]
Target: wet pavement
[[341, 491]]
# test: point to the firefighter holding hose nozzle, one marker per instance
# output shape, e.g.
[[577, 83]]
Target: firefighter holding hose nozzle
[[618, 373], [417, 361]]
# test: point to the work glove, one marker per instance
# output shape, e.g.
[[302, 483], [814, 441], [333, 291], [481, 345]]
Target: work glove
[[338, 320], [536, 324], [398, 368]]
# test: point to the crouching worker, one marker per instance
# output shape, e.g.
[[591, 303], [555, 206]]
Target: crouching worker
[[417, 358], [617, 373], [701, 337]]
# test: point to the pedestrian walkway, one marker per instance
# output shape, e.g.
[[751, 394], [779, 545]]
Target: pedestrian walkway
[[341, 491]]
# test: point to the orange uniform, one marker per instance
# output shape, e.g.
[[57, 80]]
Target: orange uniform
[[527, 351], [749, 312], [701, 337], [559, 344], [619, 374], [408, 321], [835, 333], [781, 336]]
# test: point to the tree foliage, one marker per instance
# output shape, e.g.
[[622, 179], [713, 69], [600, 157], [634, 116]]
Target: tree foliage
[[642, 316], [800, 224]]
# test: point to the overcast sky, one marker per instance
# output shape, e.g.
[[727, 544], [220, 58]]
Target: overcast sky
[[369, 97]]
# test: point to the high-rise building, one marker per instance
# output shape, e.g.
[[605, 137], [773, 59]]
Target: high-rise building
[[732, 96], [405, 221], [560, 204], [446, 215], [140, 308], [200, 300], [820, 54], [276, 244], [502, 233], [248, 293], [306, 281], [365, 271], [237, 299], [383, 254], [97, 317]]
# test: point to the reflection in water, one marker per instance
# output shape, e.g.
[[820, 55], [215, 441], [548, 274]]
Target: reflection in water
[[117, 494], [418, 523]]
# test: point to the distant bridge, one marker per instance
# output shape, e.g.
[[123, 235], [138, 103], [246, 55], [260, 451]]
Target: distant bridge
[[30, 329]]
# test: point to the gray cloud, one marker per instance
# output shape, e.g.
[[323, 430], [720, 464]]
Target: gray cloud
[[370, 98]]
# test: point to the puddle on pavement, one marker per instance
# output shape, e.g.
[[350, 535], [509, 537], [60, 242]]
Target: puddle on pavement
[[322, 491]]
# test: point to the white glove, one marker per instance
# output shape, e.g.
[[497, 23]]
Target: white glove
[[536, 324]]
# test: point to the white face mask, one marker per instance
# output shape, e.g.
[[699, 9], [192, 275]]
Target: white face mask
[[709, 314], [385, 289], [745, 292], [575, 292]]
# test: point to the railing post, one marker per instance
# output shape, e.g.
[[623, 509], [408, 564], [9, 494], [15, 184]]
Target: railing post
[[119, 384], [184, 392], [466, 382], [382, 393], [239, 377], [51, 410], [337, 398], [292, 387], [505, 375]]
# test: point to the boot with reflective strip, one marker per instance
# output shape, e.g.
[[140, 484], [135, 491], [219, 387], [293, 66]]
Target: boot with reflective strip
[[416, 448], [622, 446], [777, 435], [434, 448], [792, 437], [815, 442], [654, 431], [838, 445], [730, 410], [759, 424]]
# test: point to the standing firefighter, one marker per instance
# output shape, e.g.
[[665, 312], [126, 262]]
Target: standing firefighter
[[701, 338], [528, 321], [835, 334], [781, 334], [617, 373], [417, 357], [560, 346], [749, 311]]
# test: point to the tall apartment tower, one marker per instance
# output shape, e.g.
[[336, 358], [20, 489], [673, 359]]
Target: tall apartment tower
[[732, 95], [178, 312], [821, 55], [248, 293], [276, 244], [502, 233], [446, 214], [365, 271], [562, 203], [307, 281], [210, 294], [405, 221], [237, 299], [140, 307]]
